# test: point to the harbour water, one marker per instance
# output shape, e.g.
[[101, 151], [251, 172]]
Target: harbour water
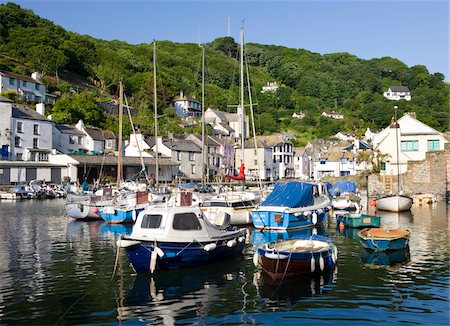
[[57, 271]]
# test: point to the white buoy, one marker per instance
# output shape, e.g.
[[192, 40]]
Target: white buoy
[[255, 259], [313, 264], [321, 263], [210, 247], [133, 215], [306, 213], [231, 243], [153, 258], [159, 251], [314, 218], [240, 239], [314, 231]]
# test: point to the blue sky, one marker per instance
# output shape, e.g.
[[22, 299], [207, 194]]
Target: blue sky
[[416, 32]]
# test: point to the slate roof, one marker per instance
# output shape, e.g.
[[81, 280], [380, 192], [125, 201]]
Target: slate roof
[[274, 140], [14, 75], [250, 143], [24, 112], [399, 89], [97, 134], [126, 160], [68, 129], [5, 99], [182, 146]]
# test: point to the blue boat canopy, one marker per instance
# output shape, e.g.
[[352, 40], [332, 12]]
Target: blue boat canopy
[[290, 194], [343, 186]]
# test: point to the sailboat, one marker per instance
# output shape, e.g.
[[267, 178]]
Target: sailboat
[[236, 204], [395, 202]]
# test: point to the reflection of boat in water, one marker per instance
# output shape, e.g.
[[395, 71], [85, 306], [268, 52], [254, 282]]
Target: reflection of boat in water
[[291, 290], [260, 237], [116, 229], [176, 295], [350, 233], [395, 219], [385, 258]]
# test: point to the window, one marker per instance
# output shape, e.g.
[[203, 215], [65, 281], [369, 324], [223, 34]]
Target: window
[[383, 166], [433, 145], [19, 126], [12, 81], [409, 145], [108, 143], [71, 140], [344, 160], [179, 156], [35, 143], [186, 222], [36, 129], [323, 160], [256, 162], [191, 156], [24, 83], [151, 221], [43, 157], [19, 157], [79, 140], [37, 87], [193, 169], [17, 142]]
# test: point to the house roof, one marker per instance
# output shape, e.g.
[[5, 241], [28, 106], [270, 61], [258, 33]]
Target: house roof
[[68, 129], [399, 89], [126, 160], [225, 116], [97, 134], [185, 98], [250, 143], [332, 113], [11, 74], [336, 156], [5, 99], [24, 112], [299, 151], [274, 140], [182, 145]]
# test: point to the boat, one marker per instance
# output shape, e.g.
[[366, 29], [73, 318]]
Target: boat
[[261, 237], [345, 196], [175, 237], [8, 195], [379, 239], [297, 257], [127, 210], [293, 205], [357, 220], [395, 203], [238, 204], [87, 206]]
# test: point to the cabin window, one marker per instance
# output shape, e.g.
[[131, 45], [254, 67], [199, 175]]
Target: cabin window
[[151, 221], [433, 145], [186, 222], [213, 204]]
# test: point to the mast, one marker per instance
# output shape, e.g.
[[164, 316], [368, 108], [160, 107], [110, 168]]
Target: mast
[[242, 111], [398, 156], [155, 106], [203, 115], [119, 162]]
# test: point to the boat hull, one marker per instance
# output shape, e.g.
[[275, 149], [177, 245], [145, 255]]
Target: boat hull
[[358, 220], [82, 211], [273, 220], [118, 215], [383, 242], [394, 203], [285, 264], [180, 255]]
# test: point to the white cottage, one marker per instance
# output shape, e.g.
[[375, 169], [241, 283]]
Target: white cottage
[[397, 93]]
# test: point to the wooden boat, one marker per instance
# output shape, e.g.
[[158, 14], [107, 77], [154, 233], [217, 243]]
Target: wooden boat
[[293, 205], [297, 257], [396, 203], [357, 220], [379, 239], [174, 237]]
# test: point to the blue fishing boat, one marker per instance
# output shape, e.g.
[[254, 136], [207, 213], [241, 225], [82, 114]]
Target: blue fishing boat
[[379, 239], [260, 237], [297, 257], [384, 258], [175, 237], [293, 205], [127, 210]]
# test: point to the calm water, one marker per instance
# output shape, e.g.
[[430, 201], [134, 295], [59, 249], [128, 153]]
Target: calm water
[[57, 271]]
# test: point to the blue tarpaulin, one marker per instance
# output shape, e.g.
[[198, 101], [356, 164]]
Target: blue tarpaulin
[[341, 187], [290, 194]]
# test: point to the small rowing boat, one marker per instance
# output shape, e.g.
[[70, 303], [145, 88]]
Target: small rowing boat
[[379, 239]]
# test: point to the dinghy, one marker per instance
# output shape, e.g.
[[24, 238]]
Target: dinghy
[[379, 239], [395, 203]]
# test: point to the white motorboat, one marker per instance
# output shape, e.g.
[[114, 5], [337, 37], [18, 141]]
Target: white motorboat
[[395, 203]]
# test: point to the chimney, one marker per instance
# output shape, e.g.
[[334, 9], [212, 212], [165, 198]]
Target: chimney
[[40, 108], [80, 125], [181, 95], [36, 75], [50, 117]]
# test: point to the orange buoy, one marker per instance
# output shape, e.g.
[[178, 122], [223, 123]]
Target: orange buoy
[[341, 226], [373, 203]]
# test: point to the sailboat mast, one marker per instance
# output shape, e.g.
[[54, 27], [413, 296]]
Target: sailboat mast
[[119, 147], [242, 100], [203, 115], [155, 106]]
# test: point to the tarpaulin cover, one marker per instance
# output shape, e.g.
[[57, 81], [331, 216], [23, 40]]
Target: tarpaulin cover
[[329, 186], [290, 194], [343, 186]]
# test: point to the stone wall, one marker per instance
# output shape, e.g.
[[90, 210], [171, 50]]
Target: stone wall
[[431, 175]]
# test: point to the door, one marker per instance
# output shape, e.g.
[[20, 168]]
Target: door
[[31, 174], [5, 176], [56, 175]]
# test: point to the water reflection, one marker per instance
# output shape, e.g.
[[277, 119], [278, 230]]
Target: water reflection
[[395, 220], [287, 292], [260, 237], [384, 258], [112, 230], [170, 296]]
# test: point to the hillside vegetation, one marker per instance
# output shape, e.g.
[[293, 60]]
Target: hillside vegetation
[[310, 82]]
